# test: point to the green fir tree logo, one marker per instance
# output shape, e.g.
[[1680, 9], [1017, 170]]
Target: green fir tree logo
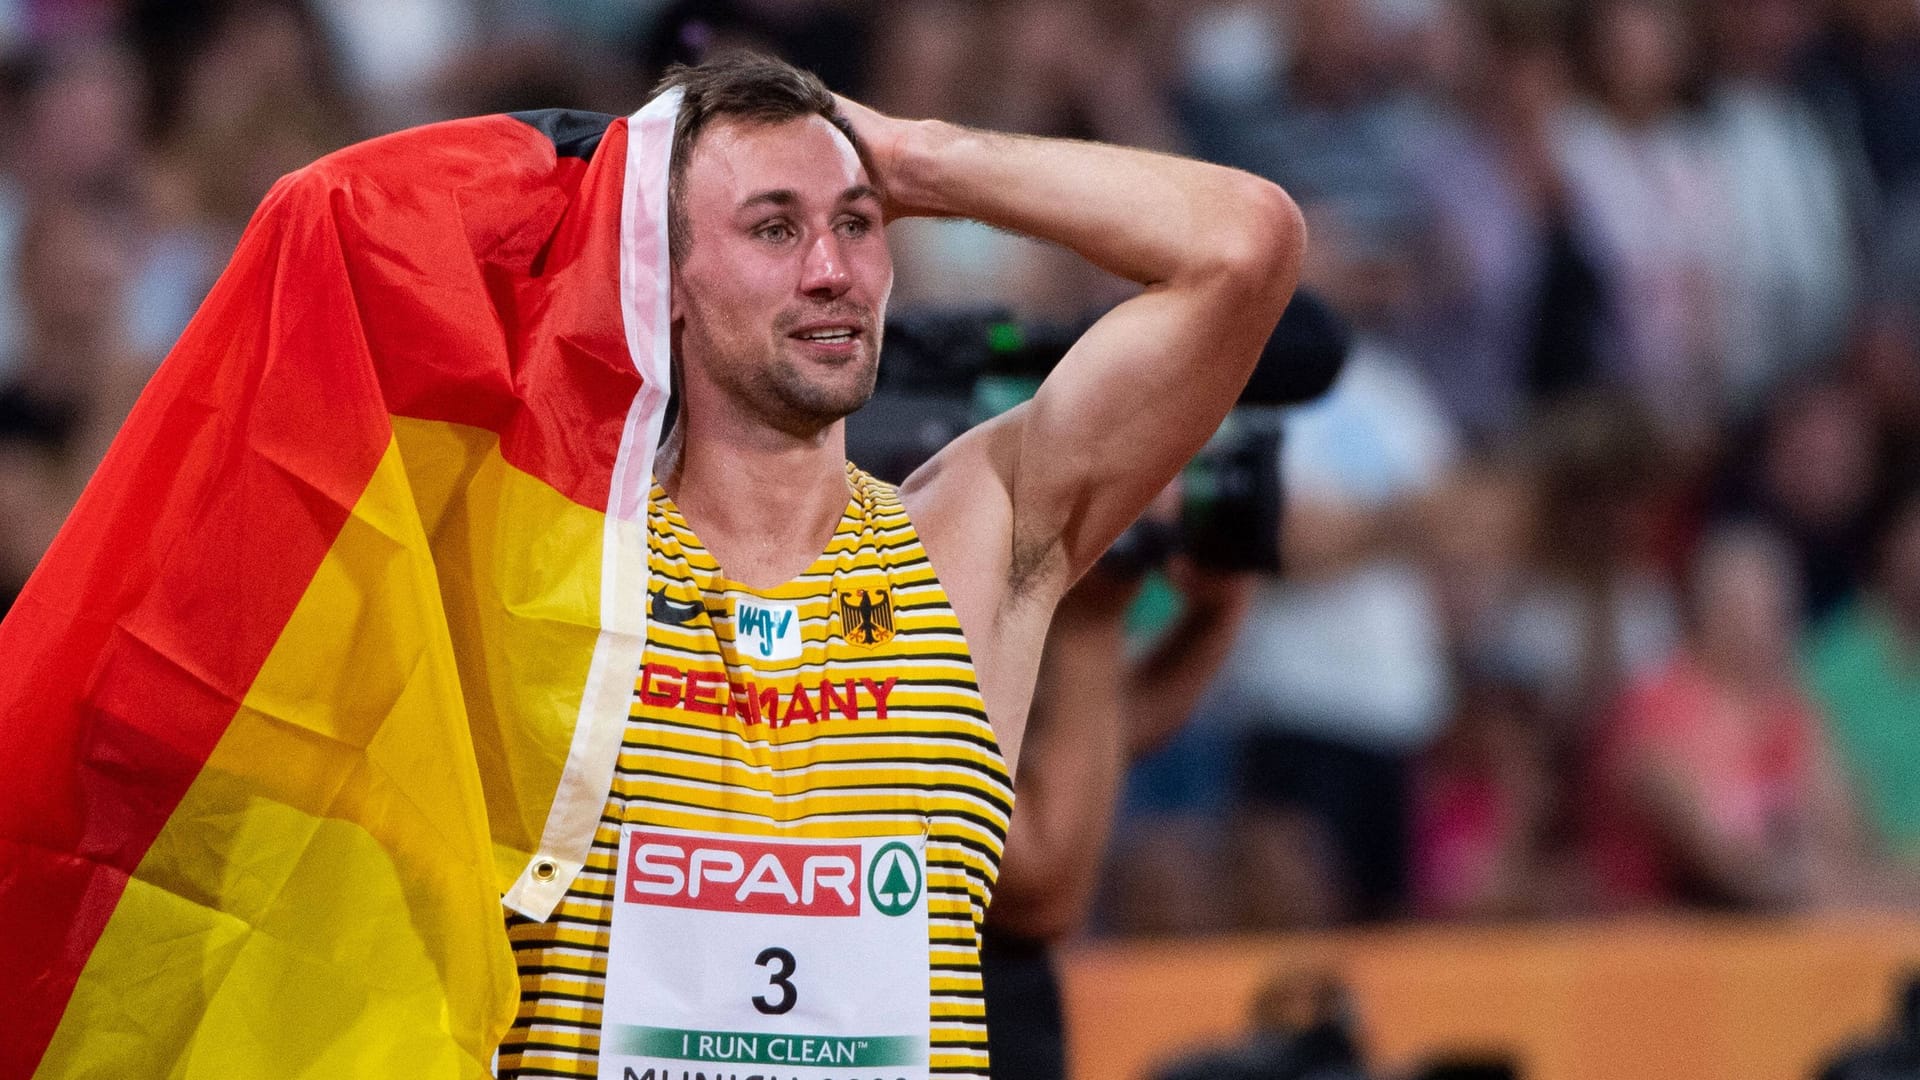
[[893, 879]]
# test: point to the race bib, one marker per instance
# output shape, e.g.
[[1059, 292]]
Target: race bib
[[787, 959]]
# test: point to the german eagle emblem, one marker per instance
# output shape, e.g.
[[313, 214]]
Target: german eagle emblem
[[866, 616]]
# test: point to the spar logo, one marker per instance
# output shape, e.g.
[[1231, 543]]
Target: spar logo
[[893, 879], [759, 877]]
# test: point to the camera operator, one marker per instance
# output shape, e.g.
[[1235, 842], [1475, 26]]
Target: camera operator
[[1094, 713]]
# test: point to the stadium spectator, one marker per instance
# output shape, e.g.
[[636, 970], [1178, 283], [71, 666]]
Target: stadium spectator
[[1037, 67], [72, 127], [1507, 305], [74, 376], [391, 53], [1863, 666], [243, 94], [1884, 363], [1812, 475], [1486, 808], [1715, 784], [1866, 75], [1647, 203], [1785, 257], [1593, 610]]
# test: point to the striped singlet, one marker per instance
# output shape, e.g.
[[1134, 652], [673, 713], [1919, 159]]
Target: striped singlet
[[850, 739]]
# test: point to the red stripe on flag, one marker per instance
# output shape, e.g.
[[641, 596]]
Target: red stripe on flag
[[532, 253], [134, 643]]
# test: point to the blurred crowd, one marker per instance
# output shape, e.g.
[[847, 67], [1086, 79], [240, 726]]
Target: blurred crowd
[[1603, 554]]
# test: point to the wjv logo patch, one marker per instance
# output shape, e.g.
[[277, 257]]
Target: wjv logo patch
[[766, 629]]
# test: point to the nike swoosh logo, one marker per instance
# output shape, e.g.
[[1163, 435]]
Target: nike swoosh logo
[[673, 613]]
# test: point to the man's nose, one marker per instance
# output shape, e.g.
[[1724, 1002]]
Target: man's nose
[[824, 272]]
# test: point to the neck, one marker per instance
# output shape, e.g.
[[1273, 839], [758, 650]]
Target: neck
[[765, 503]]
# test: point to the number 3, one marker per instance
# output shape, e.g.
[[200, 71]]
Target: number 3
[[788, 995]]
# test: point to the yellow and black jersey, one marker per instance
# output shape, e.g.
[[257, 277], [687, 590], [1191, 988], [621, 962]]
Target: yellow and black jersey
[[841, 704]]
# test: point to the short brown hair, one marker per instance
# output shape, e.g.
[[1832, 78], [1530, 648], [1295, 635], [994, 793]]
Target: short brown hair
[[738, 85]]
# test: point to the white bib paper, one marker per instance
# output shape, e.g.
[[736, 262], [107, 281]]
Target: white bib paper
[[786, 959]]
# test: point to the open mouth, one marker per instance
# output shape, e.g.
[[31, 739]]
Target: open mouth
[[827, 335]]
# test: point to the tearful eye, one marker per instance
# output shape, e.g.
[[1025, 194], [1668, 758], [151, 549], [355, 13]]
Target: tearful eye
[[854, 228], [775, 231]]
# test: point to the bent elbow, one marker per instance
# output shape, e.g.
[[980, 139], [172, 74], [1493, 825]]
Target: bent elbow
[[1266, 243], [1258, 242]]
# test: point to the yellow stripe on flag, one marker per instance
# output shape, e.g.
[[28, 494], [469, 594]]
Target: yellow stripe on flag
[[520, 571], [322, 902]]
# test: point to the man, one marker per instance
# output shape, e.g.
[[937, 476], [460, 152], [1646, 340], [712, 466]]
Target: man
[[864, 769], [1096, 710], [369, 624]]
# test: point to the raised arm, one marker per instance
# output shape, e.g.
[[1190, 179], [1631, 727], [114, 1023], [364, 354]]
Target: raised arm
[[1218, 253]]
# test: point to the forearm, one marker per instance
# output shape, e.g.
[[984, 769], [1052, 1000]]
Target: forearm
[[1057, 843], [1069, 775], [1164, 684], [1218, 252], [1152, 218]]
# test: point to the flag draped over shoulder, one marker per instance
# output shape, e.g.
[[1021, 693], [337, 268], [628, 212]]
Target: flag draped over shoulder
[[353, 603]]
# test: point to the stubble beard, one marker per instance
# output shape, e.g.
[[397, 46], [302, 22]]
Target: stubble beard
[[780, 391], [801, 405], [813, 400]]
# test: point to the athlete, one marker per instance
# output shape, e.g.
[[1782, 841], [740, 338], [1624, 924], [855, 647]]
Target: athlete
[[812, 792]]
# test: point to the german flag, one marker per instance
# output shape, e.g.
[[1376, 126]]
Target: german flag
[[330, 656]]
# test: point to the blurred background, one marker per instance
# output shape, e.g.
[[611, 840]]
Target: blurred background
[[1600, 613]]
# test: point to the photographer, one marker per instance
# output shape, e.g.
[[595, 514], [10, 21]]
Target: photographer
[[1094, 713]]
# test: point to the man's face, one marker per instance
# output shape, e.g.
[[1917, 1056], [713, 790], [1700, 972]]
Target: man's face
[[779, 300]]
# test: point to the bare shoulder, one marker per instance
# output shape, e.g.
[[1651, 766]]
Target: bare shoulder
[[962, 506]]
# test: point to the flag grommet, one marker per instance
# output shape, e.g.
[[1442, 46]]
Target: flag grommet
[[544, 870]]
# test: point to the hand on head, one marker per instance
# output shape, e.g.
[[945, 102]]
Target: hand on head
[[881, 146]]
